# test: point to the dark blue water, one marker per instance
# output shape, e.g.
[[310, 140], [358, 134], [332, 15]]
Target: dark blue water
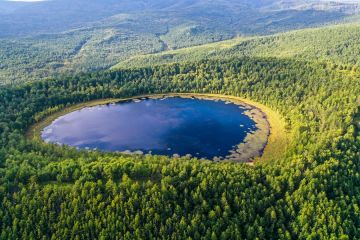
[[202, 128]]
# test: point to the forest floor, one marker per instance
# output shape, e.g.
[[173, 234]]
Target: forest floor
[[271, 142]]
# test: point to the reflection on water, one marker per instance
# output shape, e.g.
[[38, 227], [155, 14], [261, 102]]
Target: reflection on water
[[202, 128]]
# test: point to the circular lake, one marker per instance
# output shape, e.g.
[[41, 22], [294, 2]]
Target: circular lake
[[174, 125]]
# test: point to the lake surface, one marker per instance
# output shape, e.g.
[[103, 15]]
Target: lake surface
[[202, 128]]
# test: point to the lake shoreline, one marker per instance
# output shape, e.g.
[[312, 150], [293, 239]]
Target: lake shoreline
[[269, 141]]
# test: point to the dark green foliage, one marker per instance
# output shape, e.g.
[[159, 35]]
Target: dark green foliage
[[53, 192]]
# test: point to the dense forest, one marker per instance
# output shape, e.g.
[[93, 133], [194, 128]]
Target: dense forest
[[29, 59], [46, 38], [57, 192], [337, 44]]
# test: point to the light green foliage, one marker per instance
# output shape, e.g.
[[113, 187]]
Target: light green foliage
[[337, 44]]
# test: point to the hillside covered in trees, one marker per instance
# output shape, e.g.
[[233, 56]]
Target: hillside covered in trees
[[47, 38], [53, 192], [339, 44]]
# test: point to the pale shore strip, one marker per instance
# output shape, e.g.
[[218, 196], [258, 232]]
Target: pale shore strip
[[268, 142]]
